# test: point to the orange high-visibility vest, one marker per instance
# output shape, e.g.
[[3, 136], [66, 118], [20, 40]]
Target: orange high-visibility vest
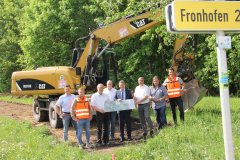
[[173, 87], [82, 110]]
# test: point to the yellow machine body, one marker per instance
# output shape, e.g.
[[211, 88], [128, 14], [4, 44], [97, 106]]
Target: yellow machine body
[[44, 81]]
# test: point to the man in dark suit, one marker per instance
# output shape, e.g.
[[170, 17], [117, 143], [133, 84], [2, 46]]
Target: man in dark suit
[[125, 115]]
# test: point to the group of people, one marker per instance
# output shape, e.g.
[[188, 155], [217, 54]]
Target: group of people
[[78, 110]]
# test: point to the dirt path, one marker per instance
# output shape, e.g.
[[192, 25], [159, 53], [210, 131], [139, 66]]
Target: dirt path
[[24, 113]]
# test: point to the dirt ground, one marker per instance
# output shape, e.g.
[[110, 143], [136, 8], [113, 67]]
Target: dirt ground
[[24, 113]]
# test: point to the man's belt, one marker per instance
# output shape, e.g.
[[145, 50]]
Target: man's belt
[[66, 112], [144, 103]]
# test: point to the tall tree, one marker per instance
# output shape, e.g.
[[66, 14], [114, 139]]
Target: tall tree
[[10, 14], [49, 30]]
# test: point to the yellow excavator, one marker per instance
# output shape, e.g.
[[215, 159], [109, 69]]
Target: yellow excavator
[[48, 82]]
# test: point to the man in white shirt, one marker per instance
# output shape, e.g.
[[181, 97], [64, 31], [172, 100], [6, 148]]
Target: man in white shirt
[[111, 92], [63, 107], [97, 103], [141, 97]]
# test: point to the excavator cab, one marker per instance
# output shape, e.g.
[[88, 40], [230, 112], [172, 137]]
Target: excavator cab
[[105, 68], [98, 66]]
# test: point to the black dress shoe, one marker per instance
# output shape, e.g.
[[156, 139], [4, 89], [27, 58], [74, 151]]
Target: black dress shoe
[[98, 144], [151, 133], [130, 139], [105, 142], [145, 136], [112, 138]]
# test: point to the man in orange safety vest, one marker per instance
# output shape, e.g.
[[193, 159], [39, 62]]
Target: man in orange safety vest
[[175, 87], [81, 112]]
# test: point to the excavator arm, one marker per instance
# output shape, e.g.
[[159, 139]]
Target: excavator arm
[[112, 33]]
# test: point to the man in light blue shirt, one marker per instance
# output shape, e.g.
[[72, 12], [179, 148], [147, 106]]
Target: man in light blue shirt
[[63, 107]]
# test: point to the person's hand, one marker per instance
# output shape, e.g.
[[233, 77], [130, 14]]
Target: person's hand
[[150, 98], [182, 92], [60, 115], [155, 100], [63, 115], [90, 118], [75, 119], [136, 106], [135, 100], [167, 103], [101, 110], [119, 100]]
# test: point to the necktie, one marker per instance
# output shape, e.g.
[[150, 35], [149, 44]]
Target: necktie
[[121, 95]]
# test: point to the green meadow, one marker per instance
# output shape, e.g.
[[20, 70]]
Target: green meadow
[[200, 137]]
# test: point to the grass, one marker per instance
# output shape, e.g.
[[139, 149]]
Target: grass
[[200, 137], [16, 99], [20, 140]]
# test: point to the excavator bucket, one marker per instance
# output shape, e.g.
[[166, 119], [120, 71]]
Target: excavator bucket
[[183, 63], [193, 93]]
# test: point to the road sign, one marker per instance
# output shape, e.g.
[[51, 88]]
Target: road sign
[[224, 42], [169, 22], [205, 16]]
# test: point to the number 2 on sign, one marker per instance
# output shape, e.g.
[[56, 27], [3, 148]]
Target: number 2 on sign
[[238, 15]]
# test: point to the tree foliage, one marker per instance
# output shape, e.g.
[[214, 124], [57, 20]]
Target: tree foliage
[[207, 66], [10, 13], [42, 33], [49, 29]]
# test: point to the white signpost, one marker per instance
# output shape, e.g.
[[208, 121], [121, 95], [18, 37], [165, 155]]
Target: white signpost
[[210, 16]]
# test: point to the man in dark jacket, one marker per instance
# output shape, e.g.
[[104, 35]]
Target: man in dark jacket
[[124, 115]]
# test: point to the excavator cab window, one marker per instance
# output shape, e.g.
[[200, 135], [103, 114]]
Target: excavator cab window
[[101, 72], [78, 71], [107, 67]]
